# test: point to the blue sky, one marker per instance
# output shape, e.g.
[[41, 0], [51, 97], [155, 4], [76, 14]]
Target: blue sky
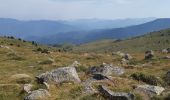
[[83, 9]]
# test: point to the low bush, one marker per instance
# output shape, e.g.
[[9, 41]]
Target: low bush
[[149, 79]]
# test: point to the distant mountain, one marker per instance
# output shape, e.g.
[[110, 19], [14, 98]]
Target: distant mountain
[[32, 28], [38, 28], [91, 24], [115, 33]]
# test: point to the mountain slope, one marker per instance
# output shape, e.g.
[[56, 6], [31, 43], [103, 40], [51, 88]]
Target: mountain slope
[[33, 30], [78, 37], [155, 40]]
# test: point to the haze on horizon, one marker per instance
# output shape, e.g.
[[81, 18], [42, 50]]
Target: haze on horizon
[[83, 9]]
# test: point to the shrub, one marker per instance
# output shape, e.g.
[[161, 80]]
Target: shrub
[[149, 79], [45, 51], [76, 92], [14, 56], [46, 62], [81, 69]]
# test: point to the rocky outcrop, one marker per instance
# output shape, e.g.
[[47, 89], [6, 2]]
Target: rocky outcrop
[[106, 70], [149, 54], [40, 94], [110, 95], [65, 74], [150, 89]]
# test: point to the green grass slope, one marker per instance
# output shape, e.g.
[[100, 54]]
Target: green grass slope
[[155, 40]]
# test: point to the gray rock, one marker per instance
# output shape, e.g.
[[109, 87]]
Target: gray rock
[[76, 64], [166, 57], [165, 51], [115, 95], [88, 86], [27, 88], [65, 74], [40, 94], [149, 54], [106, 70], [150, 89]]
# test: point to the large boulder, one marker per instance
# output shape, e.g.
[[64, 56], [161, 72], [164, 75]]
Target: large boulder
[[110, 95], [150, 89], [40, 94], [149, 54], [65, 74], [106, 70]]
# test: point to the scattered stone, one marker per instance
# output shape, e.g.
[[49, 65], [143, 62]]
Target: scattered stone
[[149, 54], [120, 54], [65, 74], [40, 94], [106, 70], [166, 57], [27, 88], [124, 62], [165, 51], [75, 64], [115, 95], [47, 85], [150, 89], [88, 86], [127, 56]]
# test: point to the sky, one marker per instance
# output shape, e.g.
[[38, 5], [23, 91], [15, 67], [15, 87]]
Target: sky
[[83, 9]]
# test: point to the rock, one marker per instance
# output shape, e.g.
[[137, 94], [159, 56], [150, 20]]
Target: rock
[[150, 89], [167, 77], [106, 70], [65, 74], [124, 62], [88, 86], [166, 57], [120, 54], [110, 95], [27, 88], [165, 51], [75, 64], [118, 70], [40, 94], [149, 54], [127, 56]]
